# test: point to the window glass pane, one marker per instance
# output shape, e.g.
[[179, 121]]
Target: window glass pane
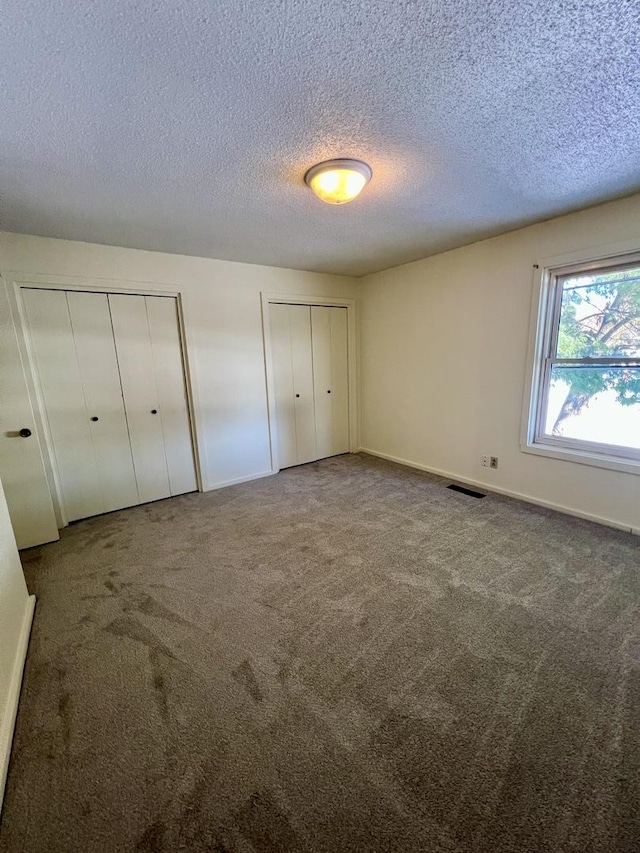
[[595, 404], [600, 315]]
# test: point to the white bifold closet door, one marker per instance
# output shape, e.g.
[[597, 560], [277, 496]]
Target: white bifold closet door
[[76, 359], [148, 346], [330, 380], [110, 370], [310, 365], [293, 369]]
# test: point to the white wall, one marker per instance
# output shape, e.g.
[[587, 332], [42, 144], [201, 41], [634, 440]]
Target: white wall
[[16, 610], [224, 332], [443, 352]]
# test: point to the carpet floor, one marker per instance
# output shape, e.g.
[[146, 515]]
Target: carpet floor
[[347, 657]]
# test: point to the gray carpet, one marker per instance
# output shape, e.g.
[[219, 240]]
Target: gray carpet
[[345, 657]]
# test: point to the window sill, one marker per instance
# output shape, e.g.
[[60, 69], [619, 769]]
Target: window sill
[[583, 457]]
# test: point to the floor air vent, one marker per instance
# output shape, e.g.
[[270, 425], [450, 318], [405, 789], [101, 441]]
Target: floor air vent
[[465, 491]]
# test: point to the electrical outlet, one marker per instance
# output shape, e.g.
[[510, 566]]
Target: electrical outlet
[[493, 462], [485, 462]]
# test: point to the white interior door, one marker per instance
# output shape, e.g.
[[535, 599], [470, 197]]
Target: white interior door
[[280, 319], [66, 413], [21, 464], [173, 411], [138, 379], [98, 365], [293, 377], [330, 379], [302, 359]]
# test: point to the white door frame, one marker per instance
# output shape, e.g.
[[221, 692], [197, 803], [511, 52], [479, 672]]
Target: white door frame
[[21, 281], [323, 301]]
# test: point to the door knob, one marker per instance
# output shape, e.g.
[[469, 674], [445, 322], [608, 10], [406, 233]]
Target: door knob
[[94, 418], [328, 392], [154, 411], [25, 433], [297, 395]]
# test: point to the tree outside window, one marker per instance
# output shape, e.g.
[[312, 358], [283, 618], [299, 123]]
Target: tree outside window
[[590, 392]]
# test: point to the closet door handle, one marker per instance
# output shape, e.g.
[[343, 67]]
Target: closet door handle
[[328, 392], [94, 418], [154, 411], [25, 433], [297, 395]]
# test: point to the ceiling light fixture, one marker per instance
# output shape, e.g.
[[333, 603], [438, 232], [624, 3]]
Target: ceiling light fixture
[[338, 181]]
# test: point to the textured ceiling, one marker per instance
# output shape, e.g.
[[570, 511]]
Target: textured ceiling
[[187, 126]]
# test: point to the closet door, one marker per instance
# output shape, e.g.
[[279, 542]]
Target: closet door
[[303, 401], [173, 411], [95, 350], [137, 376], [283, 380], [293, 377], [330, 380], [57, 363]]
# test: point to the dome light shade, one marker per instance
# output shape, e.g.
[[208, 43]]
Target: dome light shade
[[338, 181]]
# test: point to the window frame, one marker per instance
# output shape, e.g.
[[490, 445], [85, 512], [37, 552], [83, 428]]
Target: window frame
[[544, 327]]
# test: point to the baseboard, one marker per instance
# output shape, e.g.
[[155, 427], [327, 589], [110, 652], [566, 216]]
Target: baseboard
[[489, 487], [225, 483], [9, 720]]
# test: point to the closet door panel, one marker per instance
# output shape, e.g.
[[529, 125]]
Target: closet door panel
[[57, 363], [93, 337], [339, 381], [137, 376], [280, 320], [301, 356], [172, 400], [322, 382], [330, 379]]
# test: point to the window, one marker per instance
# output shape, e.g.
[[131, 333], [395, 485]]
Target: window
[[586, 395]]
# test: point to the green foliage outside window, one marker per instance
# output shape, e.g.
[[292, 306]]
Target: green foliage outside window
[[600, 318]]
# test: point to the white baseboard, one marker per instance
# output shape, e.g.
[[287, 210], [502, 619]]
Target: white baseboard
[[448, 475], [8, 722], [247, 479]]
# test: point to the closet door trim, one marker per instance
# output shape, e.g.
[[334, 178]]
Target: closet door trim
[[321, 301], [19, 281]]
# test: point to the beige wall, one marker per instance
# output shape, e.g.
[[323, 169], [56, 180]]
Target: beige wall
[[443, 363], [442, 356], [224, 332], [16, 609]]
